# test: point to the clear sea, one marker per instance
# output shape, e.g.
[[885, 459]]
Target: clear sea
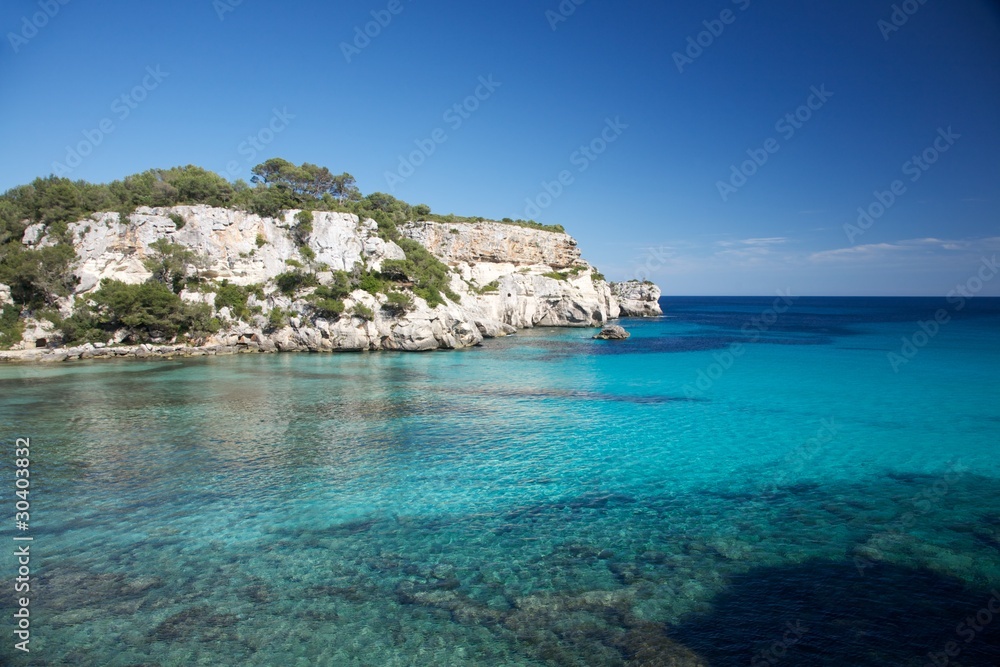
[[731, 486]]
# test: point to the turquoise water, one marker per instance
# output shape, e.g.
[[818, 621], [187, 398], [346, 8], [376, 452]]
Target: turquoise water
[[546, 499]]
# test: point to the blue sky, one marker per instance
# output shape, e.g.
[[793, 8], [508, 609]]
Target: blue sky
[[663, 130]]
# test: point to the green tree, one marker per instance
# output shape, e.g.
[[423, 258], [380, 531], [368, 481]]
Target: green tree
[[345, 188], [59, 203], [170, 263], [195, 185], [38, 278], [150, 311], [303, 228], [380, 201]]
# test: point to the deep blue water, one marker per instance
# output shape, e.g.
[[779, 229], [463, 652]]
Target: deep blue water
[[731, 486]]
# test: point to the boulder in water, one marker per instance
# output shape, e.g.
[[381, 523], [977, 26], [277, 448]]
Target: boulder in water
[[613, 332]]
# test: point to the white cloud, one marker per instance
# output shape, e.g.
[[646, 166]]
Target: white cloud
[[908, 248]]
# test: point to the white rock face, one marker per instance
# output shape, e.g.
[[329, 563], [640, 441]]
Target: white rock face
[[494, 242], [508, 277], [637, 299], [529, 296], [522, 262], [240, 247]]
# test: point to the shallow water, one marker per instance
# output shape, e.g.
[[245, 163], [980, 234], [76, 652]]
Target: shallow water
[[546, 499]]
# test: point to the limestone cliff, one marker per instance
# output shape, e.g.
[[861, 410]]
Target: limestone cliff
[[506, 277], [637, 299]]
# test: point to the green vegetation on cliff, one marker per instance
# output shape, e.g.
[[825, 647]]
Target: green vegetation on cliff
[[146, 312], [41, 275]]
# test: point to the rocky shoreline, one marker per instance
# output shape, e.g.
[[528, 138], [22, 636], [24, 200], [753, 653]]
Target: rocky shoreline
[[249, 343]]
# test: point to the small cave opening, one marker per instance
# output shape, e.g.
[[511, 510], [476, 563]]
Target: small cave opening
[[41, 342]]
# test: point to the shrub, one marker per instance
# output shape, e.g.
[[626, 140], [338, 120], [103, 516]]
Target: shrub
[[233, 297], [147, 311], [326, 307], [178, 220], [276, 319], [488, 289], [11, 326], [304, 227], [556, 275], [339, 287], [307, 253], [261, 241], [427, 273], [597, 277], [422, 209], [398, 303], [371, 282], [292, 281], [328, 300], [362, 311]]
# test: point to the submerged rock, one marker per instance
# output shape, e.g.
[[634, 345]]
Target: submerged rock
[[613, 332]]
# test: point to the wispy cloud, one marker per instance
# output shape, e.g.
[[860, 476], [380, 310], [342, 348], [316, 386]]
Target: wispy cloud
[[908, 248], [866, 252], [760, 242]]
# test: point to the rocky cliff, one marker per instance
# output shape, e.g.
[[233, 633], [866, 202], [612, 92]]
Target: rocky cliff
[[506, 277], [637, 299]]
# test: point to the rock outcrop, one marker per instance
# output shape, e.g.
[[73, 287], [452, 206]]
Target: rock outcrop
[[613, 332], [637, 299], [507, 278]]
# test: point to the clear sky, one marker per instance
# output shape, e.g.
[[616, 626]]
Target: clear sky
[[225, 84]]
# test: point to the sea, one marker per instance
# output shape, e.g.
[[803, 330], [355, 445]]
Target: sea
[[745, 481]]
